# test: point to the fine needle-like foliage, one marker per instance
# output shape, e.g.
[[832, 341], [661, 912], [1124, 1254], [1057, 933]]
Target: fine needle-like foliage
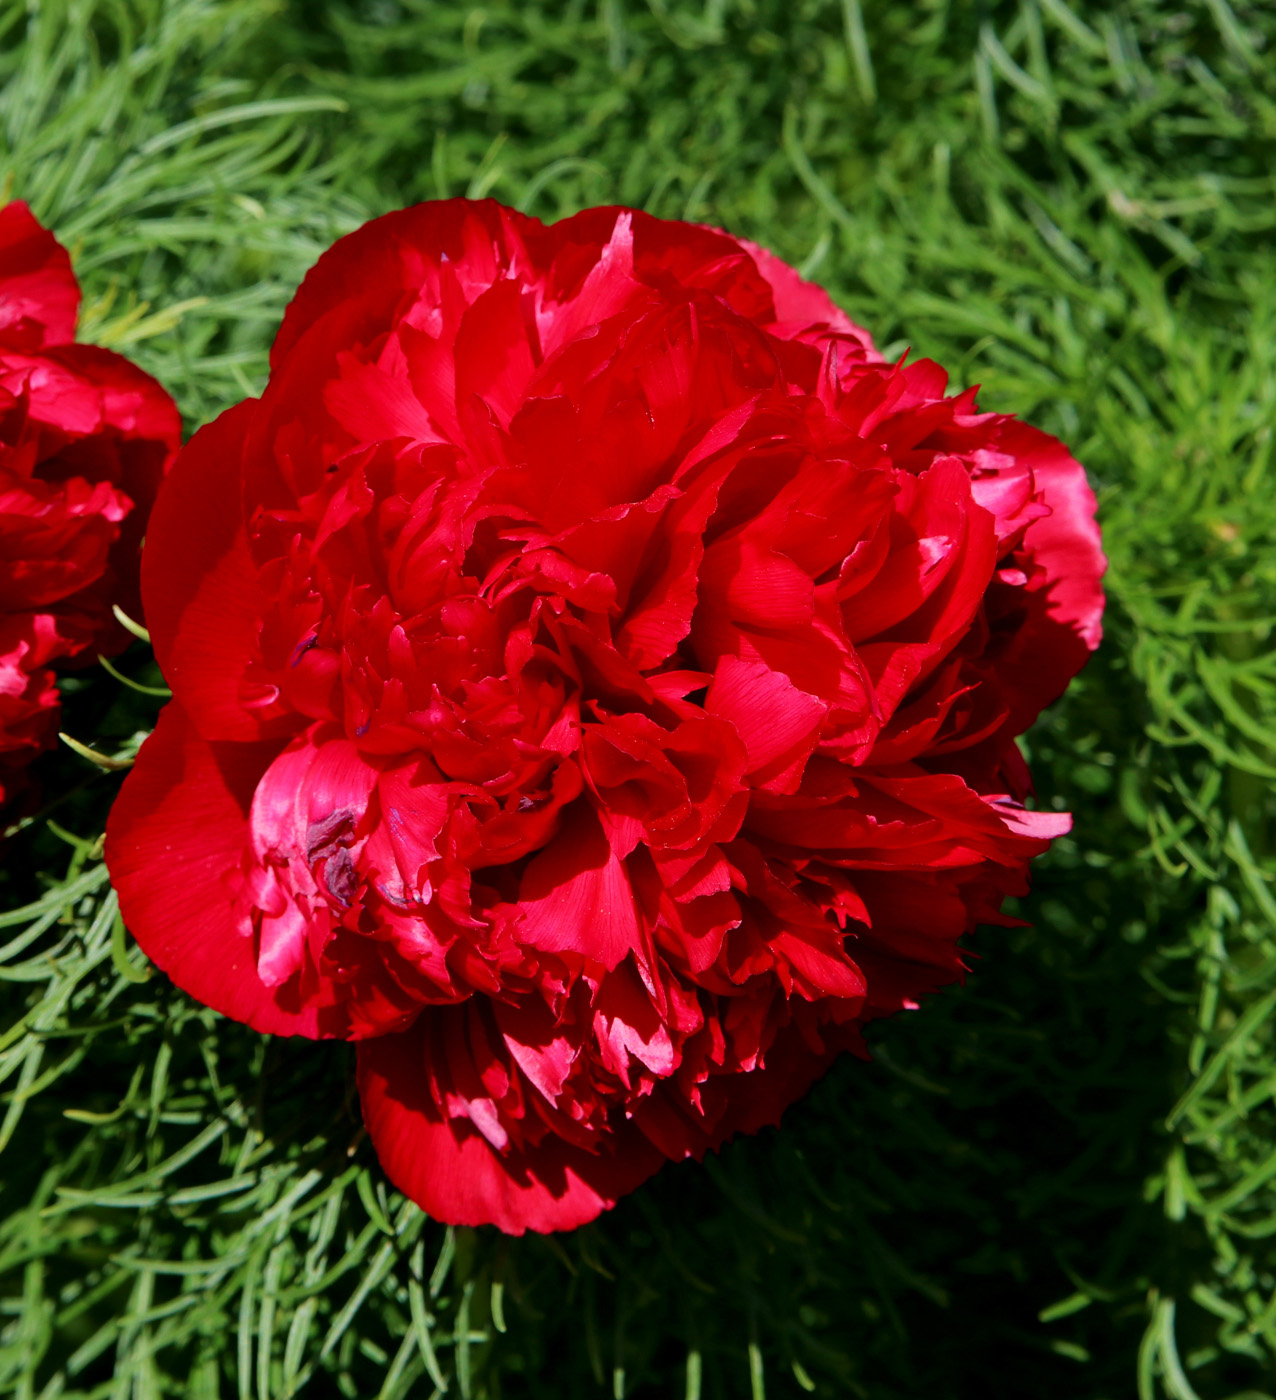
[[1059, 1181]]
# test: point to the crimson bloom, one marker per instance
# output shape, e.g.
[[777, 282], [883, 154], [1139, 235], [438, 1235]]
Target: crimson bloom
[[596, 674], [85, 439]]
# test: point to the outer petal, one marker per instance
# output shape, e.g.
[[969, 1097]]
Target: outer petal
[[801, 305], [199, 585], [1060, 614], [39, 296], [675, 257], [377, 264], [1066, 542], [451, 1171], [176, 832]]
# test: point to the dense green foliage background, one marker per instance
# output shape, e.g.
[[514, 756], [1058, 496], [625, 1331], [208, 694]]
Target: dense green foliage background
[[1059, 1181]]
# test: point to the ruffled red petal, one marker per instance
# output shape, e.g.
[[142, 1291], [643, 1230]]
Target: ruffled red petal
[[174, 838], [200, 586], [373, 267], [141, 432], [451, 1170], [39, 296]]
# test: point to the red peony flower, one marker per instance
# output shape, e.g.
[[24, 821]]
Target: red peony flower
[[85, 439], [596, 674]]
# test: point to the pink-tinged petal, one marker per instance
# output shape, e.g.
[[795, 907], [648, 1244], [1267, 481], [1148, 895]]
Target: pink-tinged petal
[[281, 946], [1066, 542], [39, 296], [176, 835], [199, 585], [454, 1174], [1040, 826], [1045, 627], [306, 813], [576, 896]]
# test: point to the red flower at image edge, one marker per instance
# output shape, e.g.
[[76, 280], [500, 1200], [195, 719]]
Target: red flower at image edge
[[596, 674], [85, 439]]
